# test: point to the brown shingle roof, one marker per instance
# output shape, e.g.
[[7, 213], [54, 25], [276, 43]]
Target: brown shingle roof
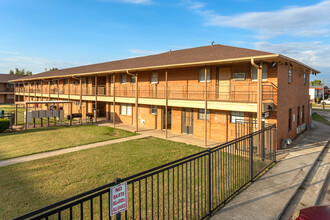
[[4, 78], [192, 55]]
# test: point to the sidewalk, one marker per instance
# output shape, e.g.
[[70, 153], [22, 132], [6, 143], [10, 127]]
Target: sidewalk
[[268, 196], [67, 150]]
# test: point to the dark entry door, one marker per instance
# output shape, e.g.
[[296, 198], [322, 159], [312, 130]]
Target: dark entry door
[[187, 121], [169, 118]]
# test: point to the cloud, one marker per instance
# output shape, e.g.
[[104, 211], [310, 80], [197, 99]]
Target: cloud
[[192, 4], [34, 64], [314, 53], [8, 52], [139, 52], [142, 2], [313, 20]]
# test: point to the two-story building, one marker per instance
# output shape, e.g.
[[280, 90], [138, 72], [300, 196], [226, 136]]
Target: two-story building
[[7, 88], [173, 90]]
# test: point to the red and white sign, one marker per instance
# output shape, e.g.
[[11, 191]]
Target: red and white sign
[[118, 198]]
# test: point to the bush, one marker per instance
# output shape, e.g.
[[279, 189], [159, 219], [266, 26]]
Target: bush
[[4, 124]]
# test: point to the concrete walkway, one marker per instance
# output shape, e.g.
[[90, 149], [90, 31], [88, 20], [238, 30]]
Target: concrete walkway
[[188, 139], [184, 138], [268, 196], [67, 150]]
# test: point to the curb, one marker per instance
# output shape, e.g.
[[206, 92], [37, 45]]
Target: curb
[[302, 182], [323, 190]]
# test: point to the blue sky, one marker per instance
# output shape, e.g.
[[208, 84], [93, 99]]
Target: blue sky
[[39, 34]]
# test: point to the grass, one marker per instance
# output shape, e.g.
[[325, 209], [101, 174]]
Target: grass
[[39, 140], [320, 106], [28, 186], [320, 118]]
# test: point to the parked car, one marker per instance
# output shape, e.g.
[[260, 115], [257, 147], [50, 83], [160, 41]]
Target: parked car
[[312, 213], [327, 101]]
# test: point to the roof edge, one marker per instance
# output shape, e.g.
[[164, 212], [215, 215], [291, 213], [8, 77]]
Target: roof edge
[[158, 67]]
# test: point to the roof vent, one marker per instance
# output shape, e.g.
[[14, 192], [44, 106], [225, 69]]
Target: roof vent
[[212, 43], [170, 51]]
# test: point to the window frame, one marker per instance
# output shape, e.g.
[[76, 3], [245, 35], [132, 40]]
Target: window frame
[[264, 72], [239, 79], [239, 115], [127, 109], [151, 78], [290, 120], [123, 78], [201, 114], [153, 108], [290, 74], [201, 74]]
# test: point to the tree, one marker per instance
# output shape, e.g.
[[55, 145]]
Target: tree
[[20, 72], [316, 82], [54, 68]]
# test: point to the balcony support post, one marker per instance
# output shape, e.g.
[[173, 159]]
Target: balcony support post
[[114, 101], [42, 90], [25, 116], [96, 93], [107, 93], [80, 100], [29, 85], [166, 103], [48, 90], [205, 111], [136, 103], [15, 114]]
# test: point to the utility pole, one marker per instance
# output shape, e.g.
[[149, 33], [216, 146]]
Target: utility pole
[[323, 93]]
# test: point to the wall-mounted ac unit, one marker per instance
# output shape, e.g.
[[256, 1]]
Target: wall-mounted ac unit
[[298, 129], [303, 127]]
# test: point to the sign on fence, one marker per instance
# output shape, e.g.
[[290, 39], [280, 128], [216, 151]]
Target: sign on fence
[[118, 199]]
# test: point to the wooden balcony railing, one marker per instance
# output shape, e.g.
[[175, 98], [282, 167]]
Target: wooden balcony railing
[[240, 93]]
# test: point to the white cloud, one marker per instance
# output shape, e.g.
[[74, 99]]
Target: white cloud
[[313, 20], [8, 52], [314, 53], [192, 4], [34, 64]]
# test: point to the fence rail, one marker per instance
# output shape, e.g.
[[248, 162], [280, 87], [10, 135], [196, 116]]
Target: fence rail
[[191, 187]]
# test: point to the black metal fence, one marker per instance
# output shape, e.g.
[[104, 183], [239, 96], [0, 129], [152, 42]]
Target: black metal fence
[[193, 187]]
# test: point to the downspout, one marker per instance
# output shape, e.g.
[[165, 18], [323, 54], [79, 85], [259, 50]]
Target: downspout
[[259, 94]]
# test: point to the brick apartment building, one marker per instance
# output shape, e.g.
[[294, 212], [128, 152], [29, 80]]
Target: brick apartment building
[[241, 85], [7, 88]]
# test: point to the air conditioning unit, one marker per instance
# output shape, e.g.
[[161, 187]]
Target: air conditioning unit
[[298, 129], [303, 127]]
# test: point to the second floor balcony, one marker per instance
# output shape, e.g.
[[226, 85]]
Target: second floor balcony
[[231, 93]]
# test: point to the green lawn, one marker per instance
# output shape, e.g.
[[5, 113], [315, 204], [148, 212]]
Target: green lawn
[[320, 106], [28, 186], [38, 140], [320, 118]]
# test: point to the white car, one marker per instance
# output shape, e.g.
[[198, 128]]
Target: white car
[[327, 101]]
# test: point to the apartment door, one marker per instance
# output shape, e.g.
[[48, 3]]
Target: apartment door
[[224, 76], [169, 118], [187, 121]]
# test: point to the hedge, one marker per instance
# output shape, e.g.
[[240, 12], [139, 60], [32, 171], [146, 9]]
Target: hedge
[[4, 124]]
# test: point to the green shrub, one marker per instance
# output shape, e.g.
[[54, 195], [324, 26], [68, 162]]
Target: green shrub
[[4, 124]]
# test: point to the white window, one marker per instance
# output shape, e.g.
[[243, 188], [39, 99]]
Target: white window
[[153, 109], [239, 76], [123, 79], [290, 75], [126, 109], [236, 116], [254, 73], [201, 114], [201, 77], [154, 77], [133, 79]]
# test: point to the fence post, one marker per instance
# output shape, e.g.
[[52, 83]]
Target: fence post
[[118, 216], [251, 157], [262, 144], [209, 181], [274, 142]]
